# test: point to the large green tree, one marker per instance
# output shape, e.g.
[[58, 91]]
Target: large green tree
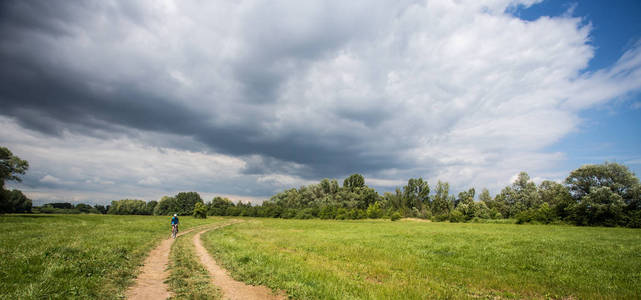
[[166, 206], [466, 197], [618, 178], [557, 197], [599, 207], [606, 194], [416, 194], [14, 201], [521, 196], [354, 181], [11, 166], [442, 202], [186, 201]]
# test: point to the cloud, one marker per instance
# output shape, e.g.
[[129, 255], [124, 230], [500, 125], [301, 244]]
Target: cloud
[[245, 98], [50, 179]]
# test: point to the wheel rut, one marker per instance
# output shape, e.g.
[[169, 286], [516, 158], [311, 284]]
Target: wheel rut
[[150, 284], [231, 289]]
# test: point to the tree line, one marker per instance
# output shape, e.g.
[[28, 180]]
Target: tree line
[[596, 195]]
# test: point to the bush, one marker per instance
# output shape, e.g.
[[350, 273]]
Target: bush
[[14, 202], [288, 213], [341, 214], [456, 216], [305, 214], [425, 214], [395, 216], [200, 211], [374, 211], [327, 212], [441, 217], [634, 219], [525, 216]]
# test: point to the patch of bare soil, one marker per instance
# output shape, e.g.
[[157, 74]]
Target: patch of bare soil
[[231, 288], [417, 220]]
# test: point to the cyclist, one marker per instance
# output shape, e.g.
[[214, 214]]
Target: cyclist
[[174, 225]]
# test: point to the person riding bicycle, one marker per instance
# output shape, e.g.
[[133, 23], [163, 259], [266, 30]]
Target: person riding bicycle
[[174, 222]]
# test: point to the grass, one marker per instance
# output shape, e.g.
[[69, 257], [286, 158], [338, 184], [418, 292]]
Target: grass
[[189, 279], [76, 256], [376, 259]]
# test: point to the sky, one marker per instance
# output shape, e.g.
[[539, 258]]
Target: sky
[[139, 99]]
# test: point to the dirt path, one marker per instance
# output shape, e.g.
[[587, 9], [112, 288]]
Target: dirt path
[[231, 288], [150, 283]]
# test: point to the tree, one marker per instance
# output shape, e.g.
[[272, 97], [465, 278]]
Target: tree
[[128, 207], [485, 196], [101, 209], [557, 197], [393, 201], [218, 206], [329, 186], [354, 181], [618, 178], [374, 211], [416, 193], [149, 208], [166, 206], [185, 202], [522, 195], [596, 190], [442, 202], [14, 202], [200, 211], [11, 166], [466, 197], [83, 208], [601, 206]]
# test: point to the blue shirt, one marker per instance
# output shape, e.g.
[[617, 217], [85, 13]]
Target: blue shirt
[[174, 220]]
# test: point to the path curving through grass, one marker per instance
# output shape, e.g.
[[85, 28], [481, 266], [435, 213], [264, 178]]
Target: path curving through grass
[[231, 289]]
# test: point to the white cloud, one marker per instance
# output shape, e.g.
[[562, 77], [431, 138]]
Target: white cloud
[[149, 181], [51, 179]]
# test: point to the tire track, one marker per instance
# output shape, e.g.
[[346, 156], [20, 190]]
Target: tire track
[[230, 288]]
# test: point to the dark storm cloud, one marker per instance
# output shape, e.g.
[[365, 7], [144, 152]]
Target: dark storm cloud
[[49, 97], [45, 98]]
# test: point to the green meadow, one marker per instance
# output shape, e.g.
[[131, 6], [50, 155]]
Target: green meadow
[[98, 256], [77, 256], [376, 259]]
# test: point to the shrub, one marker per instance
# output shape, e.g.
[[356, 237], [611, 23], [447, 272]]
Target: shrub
[[634, 219], [288, 213], [305, 214], [395, 216], [200, 211], [456, 216], [374, 211], [327, 212], [441, 217], [14, 202]]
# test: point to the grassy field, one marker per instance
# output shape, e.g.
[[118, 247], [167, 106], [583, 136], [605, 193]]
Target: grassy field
[[376, 259], [76, 256]]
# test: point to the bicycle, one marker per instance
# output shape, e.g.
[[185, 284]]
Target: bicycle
[[174, 230]]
